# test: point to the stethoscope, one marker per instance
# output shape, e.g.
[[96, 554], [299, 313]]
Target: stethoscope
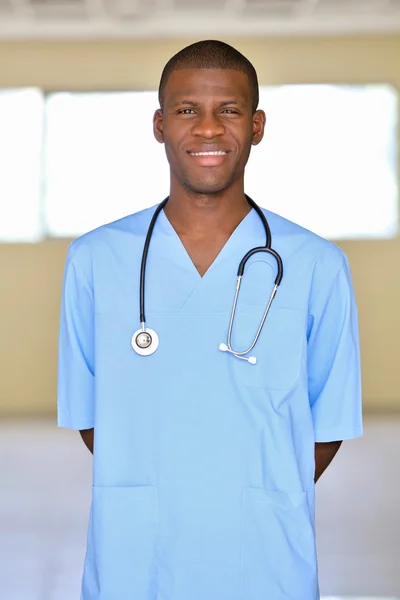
[[145, 340]]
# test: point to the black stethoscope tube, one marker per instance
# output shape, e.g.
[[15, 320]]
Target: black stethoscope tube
[[267, 248], [144, 257]]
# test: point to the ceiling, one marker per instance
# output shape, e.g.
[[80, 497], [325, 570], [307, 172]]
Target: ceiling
[[186, 18]]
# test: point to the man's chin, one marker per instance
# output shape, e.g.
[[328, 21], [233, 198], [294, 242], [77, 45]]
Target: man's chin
[[206, 188]]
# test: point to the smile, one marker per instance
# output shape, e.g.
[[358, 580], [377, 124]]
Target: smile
[[218, 153]]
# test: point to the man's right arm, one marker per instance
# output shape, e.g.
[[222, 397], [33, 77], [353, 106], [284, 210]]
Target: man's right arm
[[88, 437], [76, 395]]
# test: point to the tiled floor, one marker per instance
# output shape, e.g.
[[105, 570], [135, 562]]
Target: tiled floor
[[45, 495]]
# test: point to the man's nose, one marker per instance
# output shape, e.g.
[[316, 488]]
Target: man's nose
[[208, 126]]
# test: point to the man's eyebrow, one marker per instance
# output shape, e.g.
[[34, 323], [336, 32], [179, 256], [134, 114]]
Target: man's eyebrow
[[227, 102], [192, 103], [180, 102]]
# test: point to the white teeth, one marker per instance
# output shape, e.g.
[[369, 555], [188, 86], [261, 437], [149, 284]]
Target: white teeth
[[219, 153]]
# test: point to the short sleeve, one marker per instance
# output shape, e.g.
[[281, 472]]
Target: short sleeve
[[334, 377], [75, 351]]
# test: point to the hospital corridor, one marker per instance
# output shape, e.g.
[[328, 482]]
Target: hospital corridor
[[212, 409]]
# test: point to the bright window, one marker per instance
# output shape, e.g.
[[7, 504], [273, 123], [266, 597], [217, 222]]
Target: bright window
[[102, 161], [74, 161], [21, 132], [327, 161]]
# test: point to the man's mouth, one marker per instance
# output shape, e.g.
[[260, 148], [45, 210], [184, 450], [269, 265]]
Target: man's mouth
[[210, 158], [215, 153]]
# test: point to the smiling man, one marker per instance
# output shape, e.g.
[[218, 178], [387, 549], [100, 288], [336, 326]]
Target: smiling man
[[210, 429]]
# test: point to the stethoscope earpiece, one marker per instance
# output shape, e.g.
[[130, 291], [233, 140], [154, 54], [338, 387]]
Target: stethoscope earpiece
[[250, 359]]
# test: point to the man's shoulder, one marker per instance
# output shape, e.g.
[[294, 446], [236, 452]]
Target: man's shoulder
[[299, 241], [113, 233]]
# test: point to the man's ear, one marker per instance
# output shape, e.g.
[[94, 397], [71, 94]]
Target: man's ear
[[158, 126], [259, 120]]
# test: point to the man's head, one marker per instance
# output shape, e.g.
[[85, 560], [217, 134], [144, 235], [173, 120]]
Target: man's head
[[208, 118], [210, 54]]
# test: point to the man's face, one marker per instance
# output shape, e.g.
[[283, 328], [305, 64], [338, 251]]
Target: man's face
[[208, 126]]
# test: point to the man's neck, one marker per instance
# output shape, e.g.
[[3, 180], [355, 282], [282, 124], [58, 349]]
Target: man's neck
[[202, 216]]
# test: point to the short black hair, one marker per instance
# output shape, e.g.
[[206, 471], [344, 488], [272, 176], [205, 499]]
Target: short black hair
[[210, 54]]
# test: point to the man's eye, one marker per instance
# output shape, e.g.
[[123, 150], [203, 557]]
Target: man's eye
[[230, 111], [186, 111]]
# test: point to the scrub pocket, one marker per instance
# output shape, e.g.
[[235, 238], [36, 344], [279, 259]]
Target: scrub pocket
[[278, 547], [278, 349], [124, 528]]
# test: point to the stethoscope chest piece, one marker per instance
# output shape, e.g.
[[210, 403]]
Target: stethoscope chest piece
[[145, 341]]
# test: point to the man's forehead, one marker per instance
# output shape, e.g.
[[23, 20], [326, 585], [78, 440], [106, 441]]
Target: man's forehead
[[206, 95], [206, 84]]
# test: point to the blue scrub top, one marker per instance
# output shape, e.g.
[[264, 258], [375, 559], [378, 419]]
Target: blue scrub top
[[203, 468]]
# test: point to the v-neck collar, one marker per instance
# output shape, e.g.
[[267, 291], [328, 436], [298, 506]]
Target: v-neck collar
[[243, 229]]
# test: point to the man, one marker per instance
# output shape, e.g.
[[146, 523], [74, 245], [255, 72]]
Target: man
[[204, 464]]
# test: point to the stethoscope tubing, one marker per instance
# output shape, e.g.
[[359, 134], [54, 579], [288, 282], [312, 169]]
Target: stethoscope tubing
[[266, 248], [144, 260]]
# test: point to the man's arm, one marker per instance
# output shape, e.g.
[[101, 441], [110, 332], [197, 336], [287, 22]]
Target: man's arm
[[75, 389], [324, 454], [333, 359], [88, 437]]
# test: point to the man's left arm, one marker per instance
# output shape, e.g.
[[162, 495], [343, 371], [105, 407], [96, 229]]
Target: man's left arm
[[325, 452], [333, 362]]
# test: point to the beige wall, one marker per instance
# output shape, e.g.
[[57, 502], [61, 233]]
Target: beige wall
[[31, 274]]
